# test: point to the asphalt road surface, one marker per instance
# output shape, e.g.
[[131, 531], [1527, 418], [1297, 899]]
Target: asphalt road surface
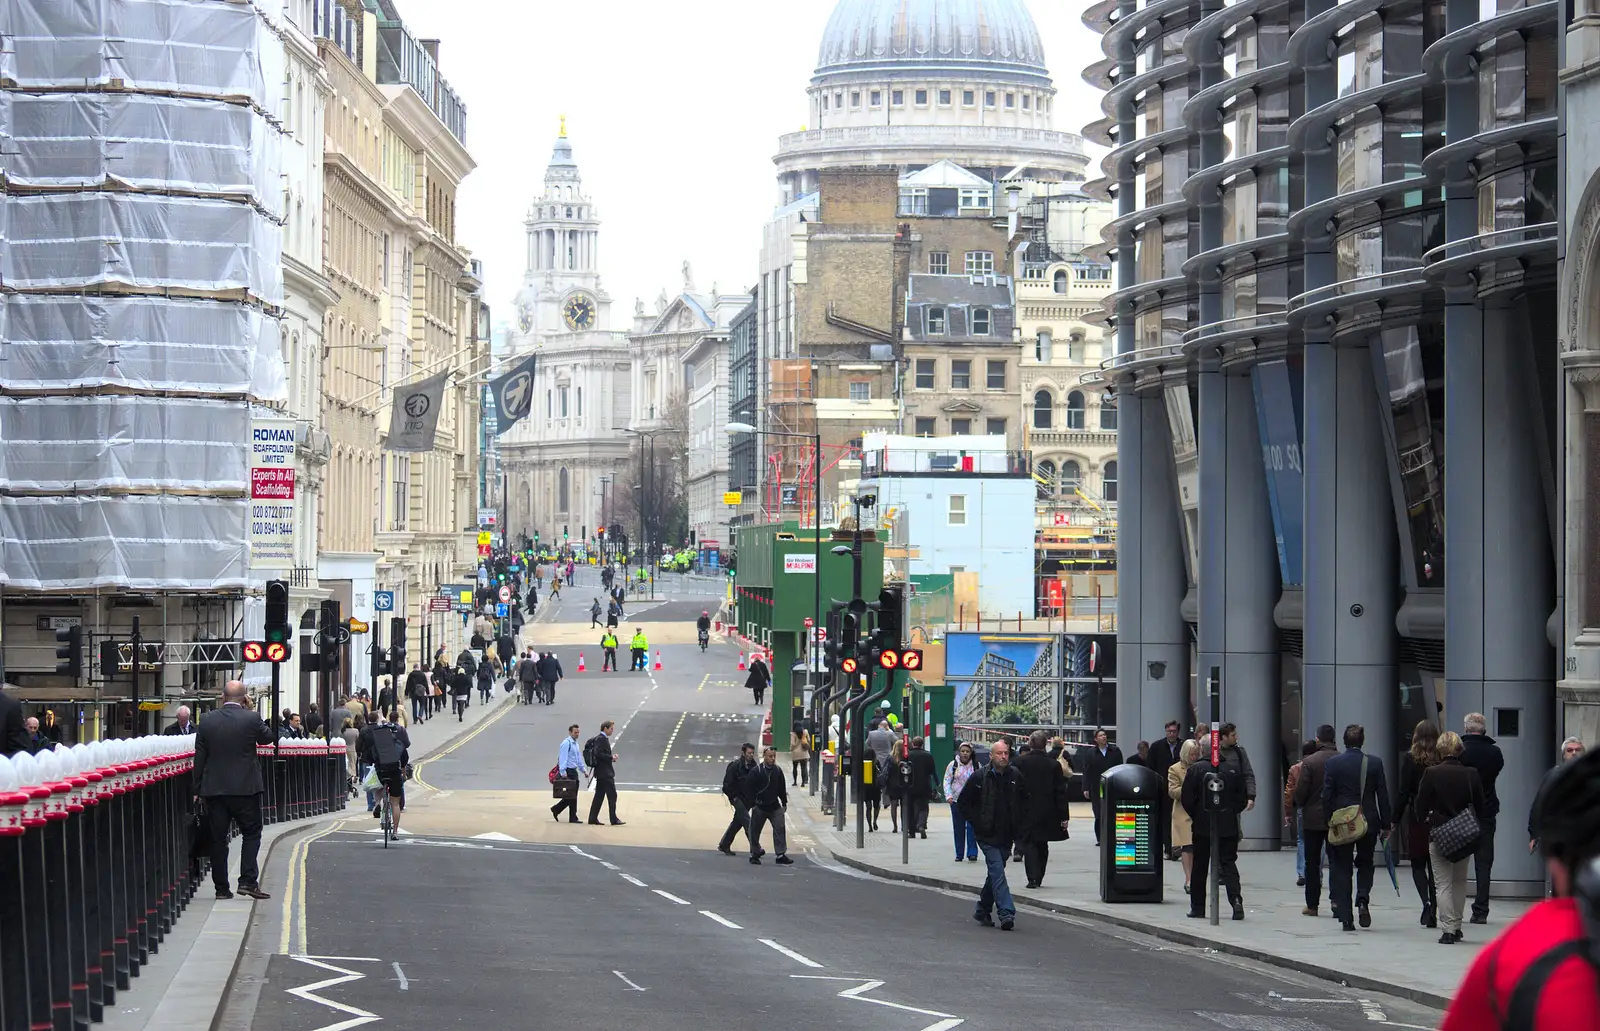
[[491, 915]]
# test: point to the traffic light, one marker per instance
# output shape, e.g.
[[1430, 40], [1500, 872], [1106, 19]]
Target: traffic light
[[69, 651], [891, 602], [397, 645], [277, 629], [380, 662], [563, 531], [536, 537], [328, 637]]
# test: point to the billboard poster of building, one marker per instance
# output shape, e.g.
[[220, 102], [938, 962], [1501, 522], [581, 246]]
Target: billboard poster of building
[[1032, 680]]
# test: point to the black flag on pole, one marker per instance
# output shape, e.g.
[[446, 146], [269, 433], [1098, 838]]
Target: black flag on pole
[[513, 394]]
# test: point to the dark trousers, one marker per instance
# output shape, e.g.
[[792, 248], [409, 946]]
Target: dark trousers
[[609, 662], [799, 770], [1227, 871], [1035, 857], [225, 811], [416, 710], [739, 825], [549, 692], [638, 659], [1094, 802], [1482, 864], [605, 788], [917, 813], [568, 803], [1316, 841], [760, 691], [1354, 859]]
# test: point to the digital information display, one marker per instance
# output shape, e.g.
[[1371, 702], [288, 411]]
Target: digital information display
[[1133, 836]]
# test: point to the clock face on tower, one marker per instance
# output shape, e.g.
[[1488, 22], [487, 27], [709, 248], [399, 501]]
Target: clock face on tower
[[579, 312], [525, 318]]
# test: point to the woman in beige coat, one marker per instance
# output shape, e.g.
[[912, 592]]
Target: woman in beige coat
[[1182, 826]]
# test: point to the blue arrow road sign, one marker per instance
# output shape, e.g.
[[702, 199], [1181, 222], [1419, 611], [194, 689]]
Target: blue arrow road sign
[[502, 610], [383, 601]]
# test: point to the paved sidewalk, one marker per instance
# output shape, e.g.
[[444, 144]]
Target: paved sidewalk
[[1396, 955], [184, 984]]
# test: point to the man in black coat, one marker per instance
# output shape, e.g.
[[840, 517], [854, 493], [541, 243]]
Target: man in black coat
[[733, 790], [1343, 785], [182, 726], [417, 688], [1094, 761], [13, 730], [228, 776], [549, 672], [1048, 811], [1164, 756], [1481, 753], [995, 802], [766, 790], [921, 789], [605, 774], [1226, 820]]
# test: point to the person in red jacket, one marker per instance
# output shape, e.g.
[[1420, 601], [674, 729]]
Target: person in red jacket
[[1543, 973]]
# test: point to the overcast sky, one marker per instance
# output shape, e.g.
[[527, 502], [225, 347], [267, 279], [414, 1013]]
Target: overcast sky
[[674, 110]]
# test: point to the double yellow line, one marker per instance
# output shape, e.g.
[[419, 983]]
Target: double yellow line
[[294, 891]]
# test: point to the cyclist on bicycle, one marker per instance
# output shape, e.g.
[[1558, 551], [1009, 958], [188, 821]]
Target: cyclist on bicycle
[[385, 745], [703, 624]]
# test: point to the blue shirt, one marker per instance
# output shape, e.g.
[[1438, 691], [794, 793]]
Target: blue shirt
[[571, 756]]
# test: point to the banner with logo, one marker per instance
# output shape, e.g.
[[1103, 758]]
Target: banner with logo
[[416, 415], [272, 496], [513, 394]]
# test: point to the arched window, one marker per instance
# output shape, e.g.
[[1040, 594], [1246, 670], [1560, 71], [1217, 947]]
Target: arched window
[[1061, 281], [563, 490], [1044, 407], [1045, 473], [1071, 476], [1075, 410], [1108, 482], [1108, 413]]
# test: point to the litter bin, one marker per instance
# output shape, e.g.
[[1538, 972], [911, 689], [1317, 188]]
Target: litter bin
[[827, 781], [1132, 840]]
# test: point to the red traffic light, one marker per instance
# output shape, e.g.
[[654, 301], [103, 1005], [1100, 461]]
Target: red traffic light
[[911, 658], [254, 651], [889, 659], [847, 665]]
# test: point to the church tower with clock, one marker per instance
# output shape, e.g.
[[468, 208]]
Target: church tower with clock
[[564, 461]]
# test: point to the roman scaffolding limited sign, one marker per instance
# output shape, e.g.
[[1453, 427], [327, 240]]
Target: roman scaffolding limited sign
[[272, 501]]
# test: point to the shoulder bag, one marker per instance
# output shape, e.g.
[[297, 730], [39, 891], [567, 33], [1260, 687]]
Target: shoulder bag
[[1458, 836], [1349, 822]]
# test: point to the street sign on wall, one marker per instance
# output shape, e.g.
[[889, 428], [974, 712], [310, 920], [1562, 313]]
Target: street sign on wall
[[383, 601], [272, 501], [733, 497]]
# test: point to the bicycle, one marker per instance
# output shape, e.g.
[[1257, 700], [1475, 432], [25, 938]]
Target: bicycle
[[705, 640], [386, 820]]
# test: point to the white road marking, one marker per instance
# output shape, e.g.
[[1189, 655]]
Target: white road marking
[[609, 866], [1372, 1011], [724, 921], [634, 880], [671, 897], [494, 836], [769, 943], [859, 994], [582, 853], [405, 985], [629, 983], [308, 992], [1328, 1002]]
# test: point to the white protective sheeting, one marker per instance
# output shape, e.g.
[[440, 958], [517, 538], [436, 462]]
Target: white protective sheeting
[[141, 443], [144, 142], [72, 240], [139, 343], [212, 48], [138, 543]]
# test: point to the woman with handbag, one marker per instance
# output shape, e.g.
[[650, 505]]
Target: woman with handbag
[[1450, 797], [1182, 824], [1424, 755]]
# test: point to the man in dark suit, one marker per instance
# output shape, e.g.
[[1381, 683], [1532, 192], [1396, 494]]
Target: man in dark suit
[[1234, 801], [183, 725], [1343, 785], [1094, 761], [920, 789], [1048, 812], [605, 774], [228, 776], [1163, 756], [13, 730]]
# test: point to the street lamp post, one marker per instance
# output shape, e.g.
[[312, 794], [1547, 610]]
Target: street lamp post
[[816, 512]]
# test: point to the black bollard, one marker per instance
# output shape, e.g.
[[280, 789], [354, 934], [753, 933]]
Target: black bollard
[[56, 912], [14, 980], [36, 927], [76, 898], [97, 941]]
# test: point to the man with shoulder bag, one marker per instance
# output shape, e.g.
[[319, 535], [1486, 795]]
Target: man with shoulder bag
[[1355, 801]]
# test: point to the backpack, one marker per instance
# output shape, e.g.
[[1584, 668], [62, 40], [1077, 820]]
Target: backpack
[[385, 745], [588, 752]]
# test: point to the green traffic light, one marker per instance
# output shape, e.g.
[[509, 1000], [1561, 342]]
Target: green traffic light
[[277, 635]]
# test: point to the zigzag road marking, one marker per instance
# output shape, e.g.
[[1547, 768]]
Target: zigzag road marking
[[355, 1016], [859, 994]]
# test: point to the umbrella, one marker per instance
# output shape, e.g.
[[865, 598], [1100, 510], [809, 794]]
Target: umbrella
[[1388, 861]]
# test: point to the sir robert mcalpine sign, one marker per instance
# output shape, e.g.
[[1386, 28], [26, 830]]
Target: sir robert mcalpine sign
[[272, 501]]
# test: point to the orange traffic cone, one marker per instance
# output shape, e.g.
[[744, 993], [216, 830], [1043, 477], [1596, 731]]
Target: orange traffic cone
[[658, 658], [580, 662], [741, 660]]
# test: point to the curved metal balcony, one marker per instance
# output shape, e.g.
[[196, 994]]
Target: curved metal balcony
[[1262, 325], [1125, 368], [1310, 222], [1129, 90], [1314, 124], [1459, 257], [1211, 28], [1100, 189], [1205, 106], [1102, 75], [1099, 15], [1138, 291], [1119, 162], [1213, 177], [1308, 45], [1102, 131], [1125, 29], [1101, 252], [1470, 148], [1217, 256], [1134, 219], [1325, 300], [1462, 42]]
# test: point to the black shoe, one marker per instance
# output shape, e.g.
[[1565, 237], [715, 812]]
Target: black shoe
[[972, 859], [1300, 882], [958, 859], [253, 892], [924, 835], [1195, 916], [755, 860], [984, 918], [618, 823], [223, 894], [1031, 884], [555, 813], [1006, 925], [1238, 909], [784, 861], [1447, 938], [1480, 918], [1347, 925], [726, 851], [595, 823], [574, 820], [1365, 915]]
